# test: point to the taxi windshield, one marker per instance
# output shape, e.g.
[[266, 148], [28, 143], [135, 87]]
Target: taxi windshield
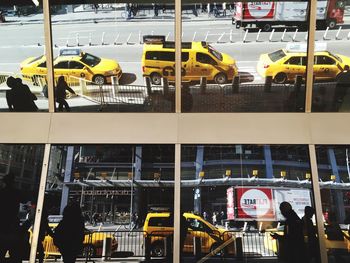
[[215, 53], [90, 60], [277, 55], [336, 56]]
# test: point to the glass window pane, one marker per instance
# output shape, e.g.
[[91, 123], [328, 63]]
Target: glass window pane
[[112, 64], [22, 80], [234, 201], [239, 56], [334, 175], [20, 171], [124, 193]]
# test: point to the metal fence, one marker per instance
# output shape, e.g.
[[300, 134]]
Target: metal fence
[[158, 244]]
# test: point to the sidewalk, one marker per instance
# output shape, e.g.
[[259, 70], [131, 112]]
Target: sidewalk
[[119, 15]]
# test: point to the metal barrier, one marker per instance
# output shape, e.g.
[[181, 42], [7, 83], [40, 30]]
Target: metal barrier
[[199, 244]]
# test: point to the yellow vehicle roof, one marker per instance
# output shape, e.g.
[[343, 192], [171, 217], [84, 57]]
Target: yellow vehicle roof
[[195, 46]]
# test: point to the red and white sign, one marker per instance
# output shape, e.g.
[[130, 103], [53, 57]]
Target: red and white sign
[[255, 203], [259, 10], [230, 203]]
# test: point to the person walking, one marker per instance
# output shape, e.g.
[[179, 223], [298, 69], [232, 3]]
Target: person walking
[[292, 240], [69, 234], [60, 94], [312, 249]]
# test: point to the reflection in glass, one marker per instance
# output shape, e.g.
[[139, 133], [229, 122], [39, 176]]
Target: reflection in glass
[[125, 193], [236, 193], [20, 170], [334, 176]]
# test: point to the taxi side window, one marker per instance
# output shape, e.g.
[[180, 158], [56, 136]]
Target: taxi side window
[[205, 59], [160, 55], [324, 60], [42, 65], [160, 221], [62, 64], [303, 61], [75, 65], [294, 61]]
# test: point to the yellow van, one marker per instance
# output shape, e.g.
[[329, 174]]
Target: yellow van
[[199, 59], [158, 226]]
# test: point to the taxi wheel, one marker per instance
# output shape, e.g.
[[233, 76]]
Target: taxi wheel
[[280, 78], [156, 78], [99, 79], [220, 78], [157, 249]]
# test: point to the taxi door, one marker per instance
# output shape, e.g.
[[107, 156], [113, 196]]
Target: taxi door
[[294, 67], [203, 66], [61, 69], [79, 70], [325, 67], [197, 228]]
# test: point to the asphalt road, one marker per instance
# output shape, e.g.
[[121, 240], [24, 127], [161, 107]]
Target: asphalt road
[[22, 41]]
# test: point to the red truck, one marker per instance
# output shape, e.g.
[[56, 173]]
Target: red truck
[[264, 15]]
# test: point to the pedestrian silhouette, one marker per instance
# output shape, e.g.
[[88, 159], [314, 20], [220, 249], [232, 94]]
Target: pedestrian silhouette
[[292, 241], [26, 98], [69, 234], [60, 94], [10, 232], [312, 248], [11, 95], [19, 97]]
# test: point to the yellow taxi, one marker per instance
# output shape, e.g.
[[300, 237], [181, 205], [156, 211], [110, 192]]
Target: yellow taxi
[[159, 225], [73, 63], [199, 59], [274, 245], [92, 246], [284, 65]]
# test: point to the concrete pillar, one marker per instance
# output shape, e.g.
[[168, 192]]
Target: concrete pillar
[[268, 161], [197, 191], [67, 177]]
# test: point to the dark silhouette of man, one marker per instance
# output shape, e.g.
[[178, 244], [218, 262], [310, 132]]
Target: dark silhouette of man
[[293, 238], [25, 98], [9, 222], [19, 98], [312, 247], [11, 94], [60, 94]]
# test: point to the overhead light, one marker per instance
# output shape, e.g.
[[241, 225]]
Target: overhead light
[[307, 176], [333, 177], [283, 174]]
